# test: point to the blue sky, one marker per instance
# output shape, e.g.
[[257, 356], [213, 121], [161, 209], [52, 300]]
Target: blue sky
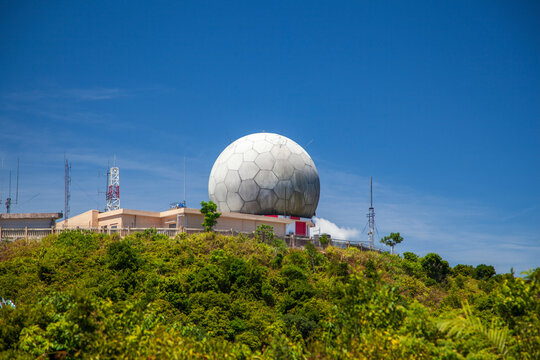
[[438, 101]]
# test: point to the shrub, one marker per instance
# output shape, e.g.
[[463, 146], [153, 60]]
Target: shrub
[[123, 255]]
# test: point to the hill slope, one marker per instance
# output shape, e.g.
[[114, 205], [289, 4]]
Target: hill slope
[[205, 296]]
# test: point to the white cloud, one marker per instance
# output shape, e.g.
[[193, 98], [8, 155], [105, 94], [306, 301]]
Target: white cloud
[[328, 227]]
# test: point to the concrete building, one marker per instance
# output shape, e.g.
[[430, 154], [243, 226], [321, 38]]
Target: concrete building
[[184, 219], [29, 220], [261, 178]]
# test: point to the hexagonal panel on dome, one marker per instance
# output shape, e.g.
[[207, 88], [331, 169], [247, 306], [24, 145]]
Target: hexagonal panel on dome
[[234, 201], [234, 162], [262, 146], [220, 172], [248, 170], [248, 190], [265, 161], [232, 181], [251, 207], [297, 161], [283, 169], [250, 155], [243, 147], [266, 179], [265, 173], [221, 192], [280, 152], [284, 189], [267, 199]]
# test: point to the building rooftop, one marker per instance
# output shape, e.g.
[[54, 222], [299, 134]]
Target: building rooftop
[[31, 216]]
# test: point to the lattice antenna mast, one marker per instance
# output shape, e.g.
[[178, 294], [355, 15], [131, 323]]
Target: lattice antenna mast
[[67, 193], [113, 188], [371, 219]]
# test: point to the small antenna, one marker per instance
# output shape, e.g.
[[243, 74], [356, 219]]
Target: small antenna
[[371, 191], [2, 182], [8, 200], [67, 182], [185, 201], [17, 192], [371, 218]]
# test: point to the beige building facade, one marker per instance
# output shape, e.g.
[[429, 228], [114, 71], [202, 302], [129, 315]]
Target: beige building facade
[[184, 219]]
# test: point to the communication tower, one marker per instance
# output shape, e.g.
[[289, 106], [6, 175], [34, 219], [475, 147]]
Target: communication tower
[[113, 188], [371, 220]]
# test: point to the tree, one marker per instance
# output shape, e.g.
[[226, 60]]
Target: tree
[[484, 272], [209, 210], [312, 252], [265, 233], [465, 270], [324, 239], [410, 256], [435, 267], [392, 240]]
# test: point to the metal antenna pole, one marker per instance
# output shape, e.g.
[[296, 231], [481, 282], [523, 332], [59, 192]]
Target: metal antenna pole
[[371, 218], [17, 191], [8, 200], [107, 183], [2, 182], [185, 201], [67, 195]]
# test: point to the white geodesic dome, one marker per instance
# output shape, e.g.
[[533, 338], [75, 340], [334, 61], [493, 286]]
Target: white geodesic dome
[[265, 174]]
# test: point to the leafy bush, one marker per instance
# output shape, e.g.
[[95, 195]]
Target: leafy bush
[[123, 255]]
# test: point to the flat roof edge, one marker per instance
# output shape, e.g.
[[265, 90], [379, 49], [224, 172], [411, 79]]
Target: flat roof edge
[[32, 216]]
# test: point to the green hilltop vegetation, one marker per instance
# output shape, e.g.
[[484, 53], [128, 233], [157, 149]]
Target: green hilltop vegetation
[[208, 296]]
